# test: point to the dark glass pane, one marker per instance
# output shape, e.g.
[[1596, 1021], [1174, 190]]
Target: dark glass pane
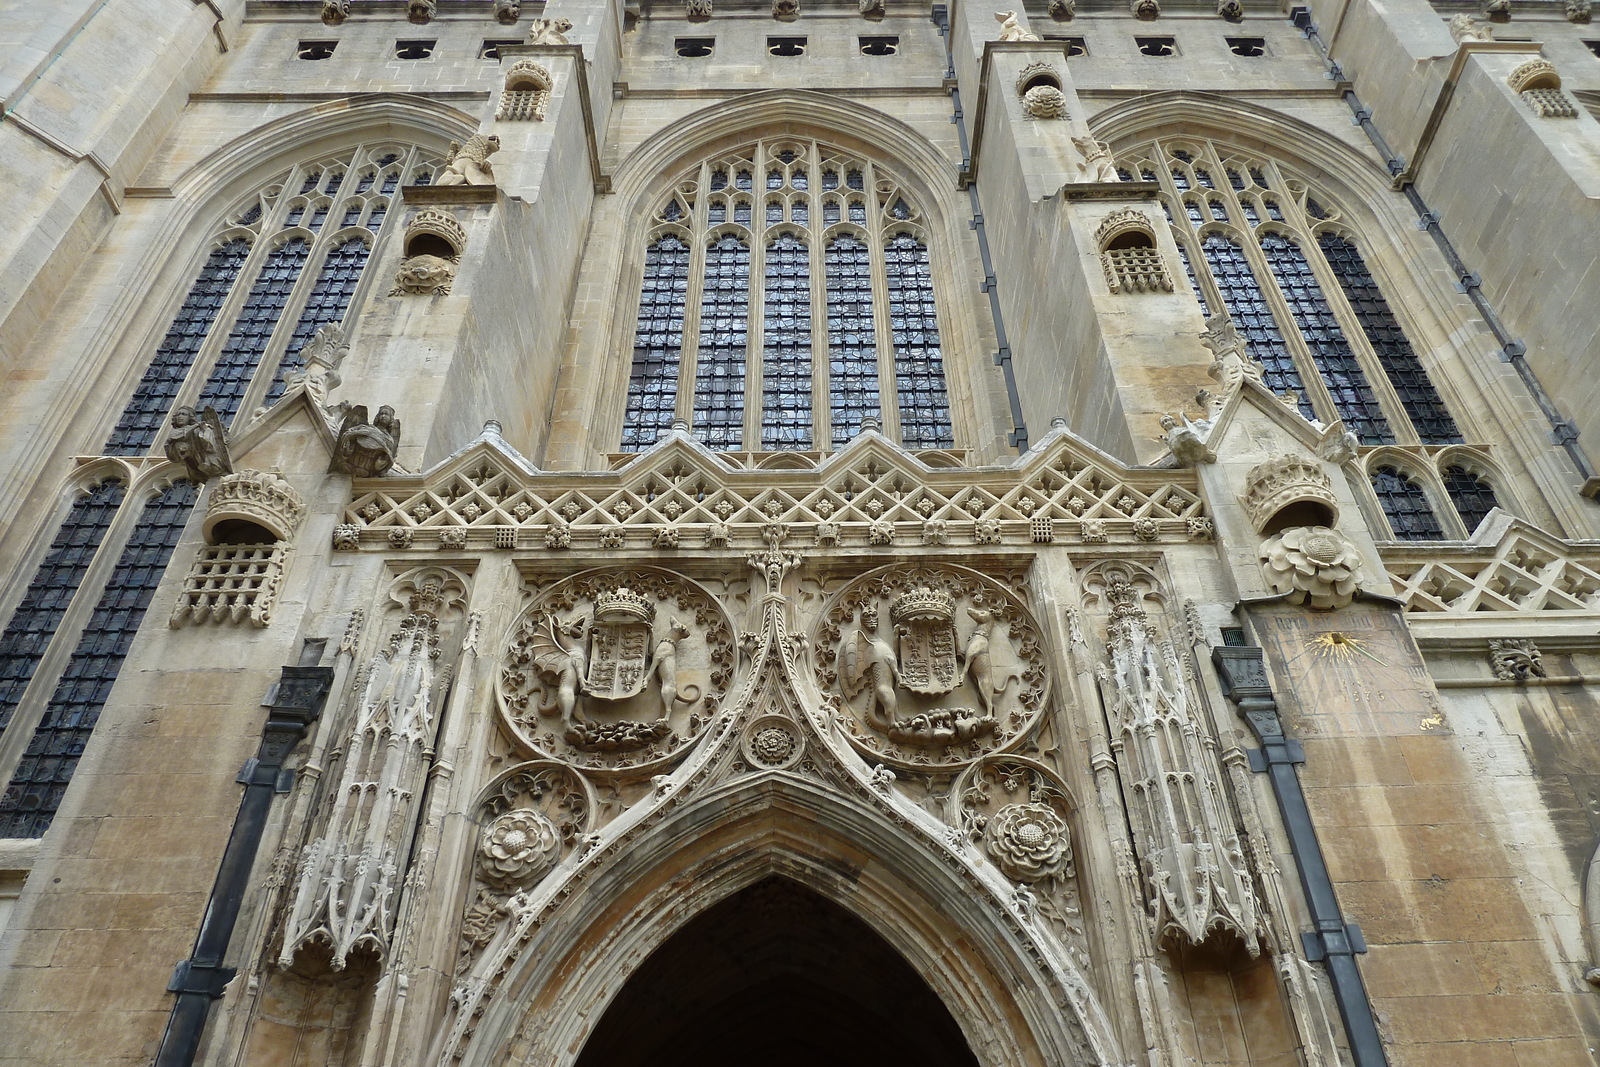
[[1218, 211], [367, 178], [1235, 179], [319, 216], [797, 178], [1273, 211], [830, 179], [719, 179], [852, 337], [329, 299], [918, 361], [774, 212], [672, 212], [900, 210], [34, 622], [1252, 317], [136, 430], [1258, 177], [774, 179], [858, 212], [1473, 497], [1192, 209], [741, 212], [1406, 506], [830, 212], [786, 347], [390, 180], [799, 213], [657, 344], [313, 177], [1204, 178], [717, 211], [253, 329], [375, 219], [47, 764], [1179, 178], [742, 180], [853, 179], [1417, 394], [295, 215], [1352, 394], [352, 214], [1250, 213], [724, 332]]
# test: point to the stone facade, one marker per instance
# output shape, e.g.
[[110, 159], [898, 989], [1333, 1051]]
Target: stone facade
[[1047, 536]]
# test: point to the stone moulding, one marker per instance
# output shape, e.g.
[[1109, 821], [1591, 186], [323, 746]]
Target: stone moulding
[[486, 491], [258, 498]]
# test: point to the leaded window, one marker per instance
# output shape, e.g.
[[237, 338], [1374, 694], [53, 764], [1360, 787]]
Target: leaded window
[[54, 583], [787, 289], [1472, 496], [287, 262], [1405, 505], [1289, 273], [40, 779]]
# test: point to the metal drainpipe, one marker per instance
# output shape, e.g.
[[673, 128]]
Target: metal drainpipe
[[1333, 942], [201, 978], [1018, 437], [1562, 430]]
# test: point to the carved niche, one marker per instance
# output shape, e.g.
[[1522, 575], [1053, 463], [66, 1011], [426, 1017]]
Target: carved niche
[[931, 666], [1128, 253], [617, 670], [1196, 877], [348, 881], [434, 241], [1039, 86]]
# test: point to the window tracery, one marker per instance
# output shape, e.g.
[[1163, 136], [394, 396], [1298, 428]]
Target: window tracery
[[1299, 290], [790, 288], [301, 244]]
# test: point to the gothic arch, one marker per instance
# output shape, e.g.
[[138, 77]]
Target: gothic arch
[[936, 912]]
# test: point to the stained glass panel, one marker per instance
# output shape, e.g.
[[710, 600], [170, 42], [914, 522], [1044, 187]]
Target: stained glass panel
[[852, 338], [724, 330], [918, 360], [786, 346], [657, 344]]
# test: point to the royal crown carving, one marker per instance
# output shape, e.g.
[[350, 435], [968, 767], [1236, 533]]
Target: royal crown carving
[[259, 498], [1122, 222], [1534, 74], [1276, 484], [438, 223]]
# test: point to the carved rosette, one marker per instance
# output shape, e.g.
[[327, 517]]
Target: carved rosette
[[1029, 842], [772, 743], [532, 816], [616, 670], [1313, 564], [930, 667], [519, 847]]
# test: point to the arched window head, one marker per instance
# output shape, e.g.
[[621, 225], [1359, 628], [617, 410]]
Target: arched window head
[[1472, 496], [787, 290], [1297, 288], [285, 262], [1405, 505]]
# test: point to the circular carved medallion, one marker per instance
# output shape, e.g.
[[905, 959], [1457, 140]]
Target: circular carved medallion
[[772, 743], [617, 670], [930, 667]]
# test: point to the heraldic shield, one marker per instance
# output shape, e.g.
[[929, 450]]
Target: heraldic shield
[[619, 645], [924, 622]]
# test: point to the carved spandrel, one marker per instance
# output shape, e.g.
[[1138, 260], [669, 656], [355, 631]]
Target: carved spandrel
[[930, 667]]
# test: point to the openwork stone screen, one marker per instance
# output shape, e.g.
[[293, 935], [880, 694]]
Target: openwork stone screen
[[786, 291]]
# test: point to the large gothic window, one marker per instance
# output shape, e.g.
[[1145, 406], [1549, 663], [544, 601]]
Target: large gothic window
[[787, 291], [284, 263], [1279, 257]]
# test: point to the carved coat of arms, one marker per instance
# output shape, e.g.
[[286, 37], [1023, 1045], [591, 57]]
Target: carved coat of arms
[[924, 621], [619, 645]]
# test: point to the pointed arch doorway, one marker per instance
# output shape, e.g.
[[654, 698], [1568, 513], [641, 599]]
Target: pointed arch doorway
[[777, 975]]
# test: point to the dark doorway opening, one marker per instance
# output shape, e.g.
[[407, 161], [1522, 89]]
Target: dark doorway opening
[[776, 975]]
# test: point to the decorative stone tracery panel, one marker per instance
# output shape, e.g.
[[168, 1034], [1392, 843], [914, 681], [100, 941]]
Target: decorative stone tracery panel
[[617, 670], [930, 666]]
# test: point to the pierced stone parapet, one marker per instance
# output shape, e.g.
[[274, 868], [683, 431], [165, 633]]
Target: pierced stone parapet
[[1524, 573]]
